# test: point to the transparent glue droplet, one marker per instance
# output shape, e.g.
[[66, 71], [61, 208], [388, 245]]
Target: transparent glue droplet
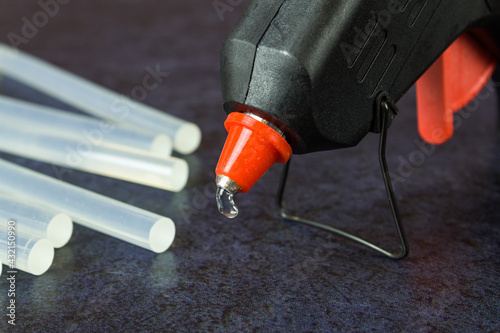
[[225, 203]]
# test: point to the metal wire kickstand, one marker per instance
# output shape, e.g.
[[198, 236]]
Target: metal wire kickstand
[[385, 110]]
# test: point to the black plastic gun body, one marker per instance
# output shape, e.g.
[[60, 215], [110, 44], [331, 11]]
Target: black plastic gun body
[[300, 76], [314, 67]]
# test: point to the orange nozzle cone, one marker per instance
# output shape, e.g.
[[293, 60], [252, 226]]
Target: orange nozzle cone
[[251, 148]]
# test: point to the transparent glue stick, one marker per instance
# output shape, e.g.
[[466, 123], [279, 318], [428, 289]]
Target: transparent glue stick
[[36, 221], [168, 173], [117, 219], [96, 100], [43, 119], [24, 252]]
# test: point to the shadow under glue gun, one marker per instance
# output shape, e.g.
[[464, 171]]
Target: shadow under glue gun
[[300, 76]]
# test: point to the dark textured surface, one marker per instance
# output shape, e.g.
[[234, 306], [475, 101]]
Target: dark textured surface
[[256, 273]]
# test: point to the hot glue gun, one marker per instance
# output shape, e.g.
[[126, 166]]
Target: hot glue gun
[[300, 76]]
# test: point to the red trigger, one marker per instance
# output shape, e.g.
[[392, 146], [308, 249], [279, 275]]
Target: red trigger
[[452, 82]]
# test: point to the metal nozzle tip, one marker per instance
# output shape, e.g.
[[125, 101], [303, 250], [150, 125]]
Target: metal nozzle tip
[[227, 184]]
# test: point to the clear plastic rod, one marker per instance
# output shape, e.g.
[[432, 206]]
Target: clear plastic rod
[[37, 118], [111, 217], [96, 100], [167, 173], [36, 221], [24, 252]]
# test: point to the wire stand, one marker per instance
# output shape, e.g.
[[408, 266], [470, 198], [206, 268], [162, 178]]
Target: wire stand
[[385, 110]]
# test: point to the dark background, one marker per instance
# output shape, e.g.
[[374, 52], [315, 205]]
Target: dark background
[[257, 273]]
